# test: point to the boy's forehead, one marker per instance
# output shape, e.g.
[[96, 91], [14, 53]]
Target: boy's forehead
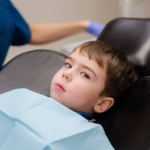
[[77, 52], [83, 58]]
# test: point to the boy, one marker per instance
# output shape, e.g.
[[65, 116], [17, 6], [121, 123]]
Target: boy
[[92, 78]]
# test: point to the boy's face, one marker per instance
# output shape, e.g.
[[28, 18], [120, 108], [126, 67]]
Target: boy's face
[[78, 83]]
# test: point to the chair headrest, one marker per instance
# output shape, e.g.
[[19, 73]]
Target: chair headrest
[[132, 36], [33, 70]]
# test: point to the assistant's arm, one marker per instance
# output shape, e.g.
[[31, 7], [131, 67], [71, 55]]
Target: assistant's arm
[[42, 33]]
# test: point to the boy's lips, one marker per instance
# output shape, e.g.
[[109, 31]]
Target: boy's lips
[[59, 87]]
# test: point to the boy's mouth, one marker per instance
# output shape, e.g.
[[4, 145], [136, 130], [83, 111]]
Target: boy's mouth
[[59, 87]]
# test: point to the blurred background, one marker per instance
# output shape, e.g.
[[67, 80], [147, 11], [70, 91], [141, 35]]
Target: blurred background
[[61, 11], [102, 11]]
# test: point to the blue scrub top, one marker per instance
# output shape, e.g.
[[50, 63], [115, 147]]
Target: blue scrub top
[[13, 28]]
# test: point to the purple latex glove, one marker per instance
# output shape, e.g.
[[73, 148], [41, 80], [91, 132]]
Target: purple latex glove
[[95, 28]]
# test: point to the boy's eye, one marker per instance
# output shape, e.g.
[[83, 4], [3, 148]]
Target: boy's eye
[[68, 65], [85, 75]]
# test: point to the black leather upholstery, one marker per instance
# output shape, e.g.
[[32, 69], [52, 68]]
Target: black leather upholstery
[[127, 123], [132, 36], [33, 70]]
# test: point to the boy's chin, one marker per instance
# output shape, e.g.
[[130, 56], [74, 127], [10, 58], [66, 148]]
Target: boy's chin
[[56, 97]]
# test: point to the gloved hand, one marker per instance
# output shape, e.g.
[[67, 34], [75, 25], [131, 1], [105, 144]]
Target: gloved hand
[[95, 28]]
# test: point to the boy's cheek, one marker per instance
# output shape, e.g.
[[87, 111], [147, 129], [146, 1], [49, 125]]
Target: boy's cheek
[[79, 90], [56, 78]]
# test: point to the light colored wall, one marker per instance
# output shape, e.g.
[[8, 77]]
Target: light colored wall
[[63, 10], [135, 8]]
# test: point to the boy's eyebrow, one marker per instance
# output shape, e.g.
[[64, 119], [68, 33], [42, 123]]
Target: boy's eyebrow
[[83, 66], [70, 58], [89, 69]]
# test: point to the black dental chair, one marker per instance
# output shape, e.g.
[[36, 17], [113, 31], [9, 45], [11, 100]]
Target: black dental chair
[[33, 70], [127, 123]]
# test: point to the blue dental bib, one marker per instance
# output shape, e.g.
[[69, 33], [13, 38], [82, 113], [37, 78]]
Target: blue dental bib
[[31, 121]]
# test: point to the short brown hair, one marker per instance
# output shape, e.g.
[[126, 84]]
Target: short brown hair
[[119, 71]]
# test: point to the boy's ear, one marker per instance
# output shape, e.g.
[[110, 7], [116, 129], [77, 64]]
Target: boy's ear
[[103, 104]]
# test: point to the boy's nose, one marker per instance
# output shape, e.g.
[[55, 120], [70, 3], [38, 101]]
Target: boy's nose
[[67, 76]]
